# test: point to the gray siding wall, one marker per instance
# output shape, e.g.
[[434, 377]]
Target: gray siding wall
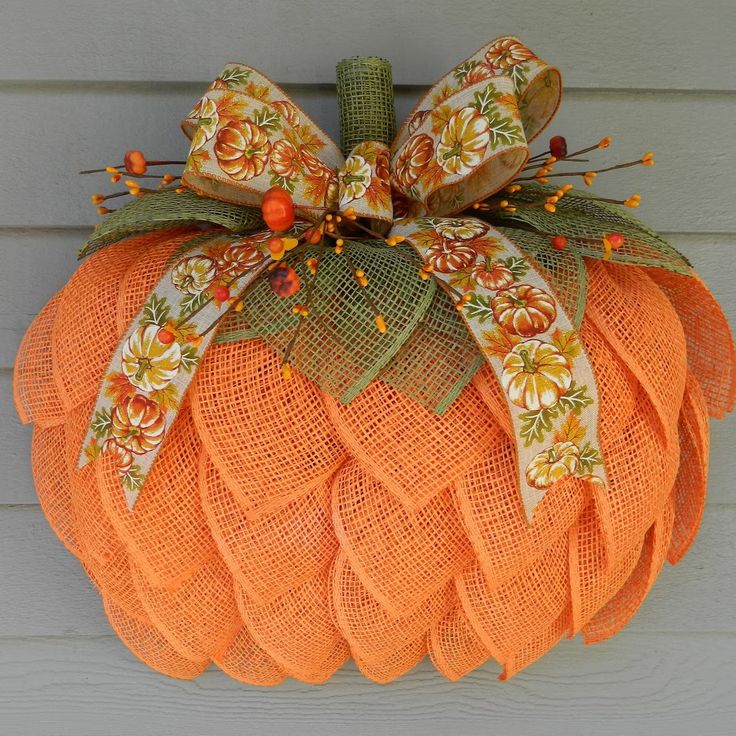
[[82, 80]]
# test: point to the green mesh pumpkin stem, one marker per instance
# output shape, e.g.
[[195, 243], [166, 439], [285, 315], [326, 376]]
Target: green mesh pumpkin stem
[[365, 98]]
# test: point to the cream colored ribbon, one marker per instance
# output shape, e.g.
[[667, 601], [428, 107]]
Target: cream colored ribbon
[[464, 141]]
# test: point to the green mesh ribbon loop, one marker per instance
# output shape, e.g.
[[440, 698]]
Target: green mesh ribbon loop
[[427, 353], [160, 210], [586, 221]]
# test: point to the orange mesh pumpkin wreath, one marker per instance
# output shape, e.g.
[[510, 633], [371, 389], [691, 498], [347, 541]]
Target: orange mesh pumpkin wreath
[[295, 518]]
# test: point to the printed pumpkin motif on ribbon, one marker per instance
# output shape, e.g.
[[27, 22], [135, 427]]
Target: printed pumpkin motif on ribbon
[[363, 182], [246, 131], [531, 344], [147, 377]]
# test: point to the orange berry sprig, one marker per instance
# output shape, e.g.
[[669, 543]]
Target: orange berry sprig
[[559, 146], [610, 242], [134, 166], [559, 150], [302, 311], [392, 241], [134, 163], [331, 229]]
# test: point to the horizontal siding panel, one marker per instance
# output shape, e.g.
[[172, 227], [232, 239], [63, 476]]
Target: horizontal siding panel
[[46, 593], [71, 128], [36, 265], [654, 685], [621, 44]]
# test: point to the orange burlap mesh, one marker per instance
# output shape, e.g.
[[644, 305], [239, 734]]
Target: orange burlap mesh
[[278, 440], [454, 647], [52, 481], [244, 660], [281, 531], [297, 630], [147, 643], [36, 395]]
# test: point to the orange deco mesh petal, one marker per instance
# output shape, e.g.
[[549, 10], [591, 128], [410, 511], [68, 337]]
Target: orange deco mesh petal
[[281, 531]]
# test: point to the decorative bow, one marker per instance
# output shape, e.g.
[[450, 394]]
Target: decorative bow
[[464, 141]]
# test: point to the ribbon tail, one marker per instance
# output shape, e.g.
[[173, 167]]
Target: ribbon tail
[[160, 352], [528, 340]]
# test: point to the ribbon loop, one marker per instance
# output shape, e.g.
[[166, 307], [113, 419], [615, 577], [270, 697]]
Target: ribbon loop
[[247, 136], [467, 137], [464, 149]]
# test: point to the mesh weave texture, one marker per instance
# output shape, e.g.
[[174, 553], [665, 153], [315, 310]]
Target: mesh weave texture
[[282, 531], [365, 95], [166, 209]]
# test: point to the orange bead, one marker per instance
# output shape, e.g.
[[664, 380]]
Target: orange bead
[[559, 242], [277, 207], [276, 247], [222, 293], [284, 281], [616, 240], [135, 162], [166, 337]]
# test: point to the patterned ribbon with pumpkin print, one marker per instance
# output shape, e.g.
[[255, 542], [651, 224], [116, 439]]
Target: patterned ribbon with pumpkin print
[[465, 140]]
